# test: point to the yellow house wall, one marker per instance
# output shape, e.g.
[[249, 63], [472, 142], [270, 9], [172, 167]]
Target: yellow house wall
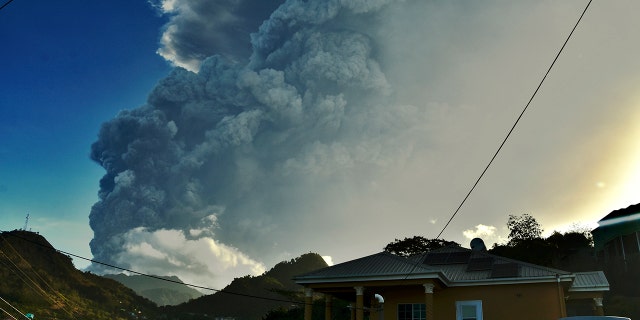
[[511, 301]]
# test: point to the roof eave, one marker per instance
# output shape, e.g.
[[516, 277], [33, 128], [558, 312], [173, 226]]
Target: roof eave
[[589, 289], [514, 280]]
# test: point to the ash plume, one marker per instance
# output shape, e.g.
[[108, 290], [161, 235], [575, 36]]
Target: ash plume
[[201, 28], [312, 139], [238, 155]]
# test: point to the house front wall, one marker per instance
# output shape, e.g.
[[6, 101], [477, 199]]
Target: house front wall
[[538, 301], [541, 301]]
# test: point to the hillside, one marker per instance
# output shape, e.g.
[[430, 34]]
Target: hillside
[[161, 292], [275, 287], [37, 279], [34, 278]]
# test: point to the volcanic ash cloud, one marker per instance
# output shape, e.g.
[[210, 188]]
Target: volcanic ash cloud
[[236, 164]]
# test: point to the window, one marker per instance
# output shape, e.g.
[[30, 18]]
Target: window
[[412, 311], [469, 310]]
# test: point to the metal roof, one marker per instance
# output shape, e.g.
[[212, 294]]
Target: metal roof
[[383, 264], [590, 281], [454, 266], [457, 271]]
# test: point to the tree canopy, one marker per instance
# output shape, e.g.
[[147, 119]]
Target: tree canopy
[[416, 245], [523, 228]]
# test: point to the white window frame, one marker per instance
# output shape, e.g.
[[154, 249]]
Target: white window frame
[[412, 311], [476, 303]]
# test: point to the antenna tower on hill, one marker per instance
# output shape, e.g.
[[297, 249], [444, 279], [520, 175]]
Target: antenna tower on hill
[[26, 221]]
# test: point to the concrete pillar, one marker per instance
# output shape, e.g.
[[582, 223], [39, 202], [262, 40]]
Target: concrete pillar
[[308, 303], [359, 303], [428, 301], [599, 307], [328, 303]]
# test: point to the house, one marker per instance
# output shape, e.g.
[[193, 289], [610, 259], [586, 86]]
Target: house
[[617, 237], [617, 245], [454, 283]]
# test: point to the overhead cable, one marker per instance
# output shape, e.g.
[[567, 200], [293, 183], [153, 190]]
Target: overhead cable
[[516, 122], [155, 277], [14, 308], [6, 4]]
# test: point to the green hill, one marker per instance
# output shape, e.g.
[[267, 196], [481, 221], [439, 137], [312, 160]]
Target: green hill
[[34, 278], [37, 279], [170, 292], [275, 287]]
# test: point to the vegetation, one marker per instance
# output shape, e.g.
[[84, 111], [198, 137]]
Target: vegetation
[[36, 279], [276, 289], [416, 245], [340, 310], [169, 291], [571, 251], [523, 228]]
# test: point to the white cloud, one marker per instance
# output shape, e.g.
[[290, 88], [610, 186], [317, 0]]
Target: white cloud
[[203, 261], [328, 260], [487, 233], [480, 231]]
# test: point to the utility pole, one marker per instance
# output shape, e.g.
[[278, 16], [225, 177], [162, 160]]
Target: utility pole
[[26, 221]]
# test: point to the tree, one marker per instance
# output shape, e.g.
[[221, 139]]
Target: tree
[[522, 228], [416, 245], [571, 251]]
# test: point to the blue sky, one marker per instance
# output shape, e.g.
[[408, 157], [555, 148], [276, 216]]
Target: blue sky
[[353, 128], [66, 69]]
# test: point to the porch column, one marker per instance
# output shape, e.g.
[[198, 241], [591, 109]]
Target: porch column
[[599, 308], [359, 303], [308, 303], [328, 303], [428, 301]]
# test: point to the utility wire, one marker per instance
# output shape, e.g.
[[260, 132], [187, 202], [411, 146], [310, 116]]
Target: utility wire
[[22, 276], [14, 308], [299, 303], [46, 283], [9, 314], [6, 4], [155, 277], [516, 122]]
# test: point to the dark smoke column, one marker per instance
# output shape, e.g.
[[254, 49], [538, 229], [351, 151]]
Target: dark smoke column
[[242, 153]]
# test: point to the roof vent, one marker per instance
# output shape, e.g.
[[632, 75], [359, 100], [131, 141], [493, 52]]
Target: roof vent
[[478, 245]]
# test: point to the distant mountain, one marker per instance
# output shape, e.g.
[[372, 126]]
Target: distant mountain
[[163, 293], [251, 297], [35, 278]]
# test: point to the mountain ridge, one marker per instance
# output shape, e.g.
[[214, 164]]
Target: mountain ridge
[[36, 278], [170, 291]]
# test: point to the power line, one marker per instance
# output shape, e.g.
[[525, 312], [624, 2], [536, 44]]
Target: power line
[[293, 302], [516, 122], [14, 308], [37, 287], [9, 314], [6, 4], [155, 277]]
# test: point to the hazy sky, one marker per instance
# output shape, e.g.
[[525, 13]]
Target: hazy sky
[[325, 126]]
